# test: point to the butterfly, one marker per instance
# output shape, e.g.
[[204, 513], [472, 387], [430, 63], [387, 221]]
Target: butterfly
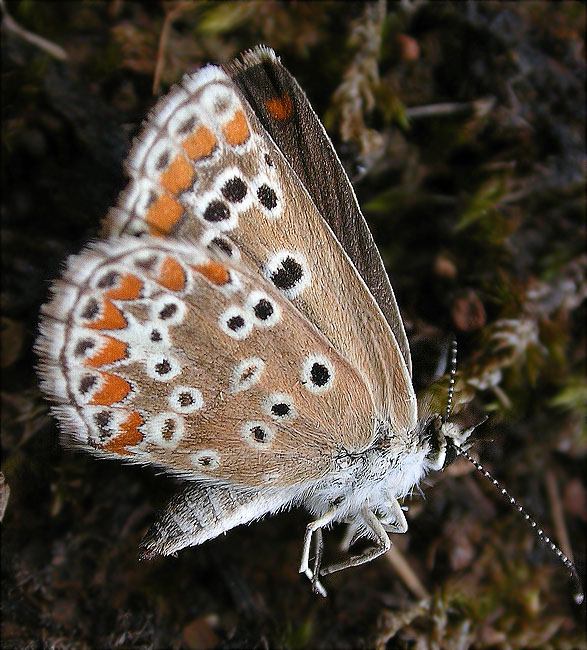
[[235, 326]]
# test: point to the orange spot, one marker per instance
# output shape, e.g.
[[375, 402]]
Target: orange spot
[[178, 176], [113, 389], [112, 350], [213, 271], [280, 108], [237, 130], [200, 144], [129, 435], [172, 275], [111, 318], [129, 288], [163, 214]]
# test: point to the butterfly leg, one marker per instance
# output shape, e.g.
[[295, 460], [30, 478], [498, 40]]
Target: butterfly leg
[[394, 520], [350, 537], [311, 528], [317, 587], [375, 527]]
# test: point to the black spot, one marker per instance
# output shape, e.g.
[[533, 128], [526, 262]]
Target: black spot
[[146, 263], [248, 373], [187, 126], [163, 160], [163, 368], [319, 375], [168, 429], [259, 434], [103, 419], [263, 309], [268, 160], [108, 280], [83, 346], [280, 410], [156, 336], [234, 323], [234, 190], [205, 461], [168, 311], [87, 383], [221, 104], [216, 211], [185, 399], [289, 273], [267, 197], [223, 245], [91, 309]]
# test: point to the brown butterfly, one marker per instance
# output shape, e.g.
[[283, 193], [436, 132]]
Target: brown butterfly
[[236, 326]]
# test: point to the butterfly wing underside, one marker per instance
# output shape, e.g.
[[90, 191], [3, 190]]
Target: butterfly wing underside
[[286, 114], [205, 168], [156, 352]]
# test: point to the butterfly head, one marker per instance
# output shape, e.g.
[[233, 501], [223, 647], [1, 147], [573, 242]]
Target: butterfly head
[[442, 437]]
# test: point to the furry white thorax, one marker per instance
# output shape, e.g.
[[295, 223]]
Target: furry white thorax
[[387, 470]]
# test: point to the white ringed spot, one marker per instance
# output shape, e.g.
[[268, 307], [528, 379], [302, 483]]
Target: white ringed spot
[[279, 406], [162, 367], [206, 459], [258, 434], [264, 309], [246, 374], [317, 374], [169, 309], [236, 322], [185, 399], [268, 197], [165, 429], [289, 272]]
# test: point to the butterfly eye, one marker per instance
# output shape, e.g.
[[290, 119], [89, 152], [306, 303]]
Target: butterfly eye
[[246, 374], [258, 434], [317, 374], [186, 400]]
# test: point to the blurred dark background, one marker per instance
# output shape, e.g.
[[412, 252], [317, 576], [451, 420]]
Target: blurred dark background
[[462, 126]]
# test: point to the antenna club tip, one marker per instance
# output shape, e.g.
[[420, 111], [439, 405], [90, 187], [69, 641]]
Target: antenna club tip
[[579, 597]]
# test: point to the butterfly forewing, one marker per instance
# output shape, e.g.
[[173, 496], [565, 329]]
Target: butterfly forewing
[[204, 167], [286, 114], [156, 351]]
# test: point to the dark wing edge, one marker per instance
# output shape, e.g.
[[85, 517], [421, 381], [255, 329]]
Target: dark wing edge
[[285, 112]]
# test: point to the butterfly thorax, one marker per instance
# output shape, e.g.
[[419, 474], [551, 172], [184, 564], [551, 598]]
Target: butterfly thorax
[[389, 468]]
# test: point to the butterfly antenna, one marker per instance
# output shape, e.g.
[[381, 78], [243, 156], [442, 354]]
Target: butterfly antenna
[[453, 373], [579, 595]]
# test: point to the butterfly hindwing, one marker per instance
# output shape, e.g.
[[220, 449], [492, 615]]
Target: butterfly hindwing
[[286, 114], [154, 351], [205, 168]]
